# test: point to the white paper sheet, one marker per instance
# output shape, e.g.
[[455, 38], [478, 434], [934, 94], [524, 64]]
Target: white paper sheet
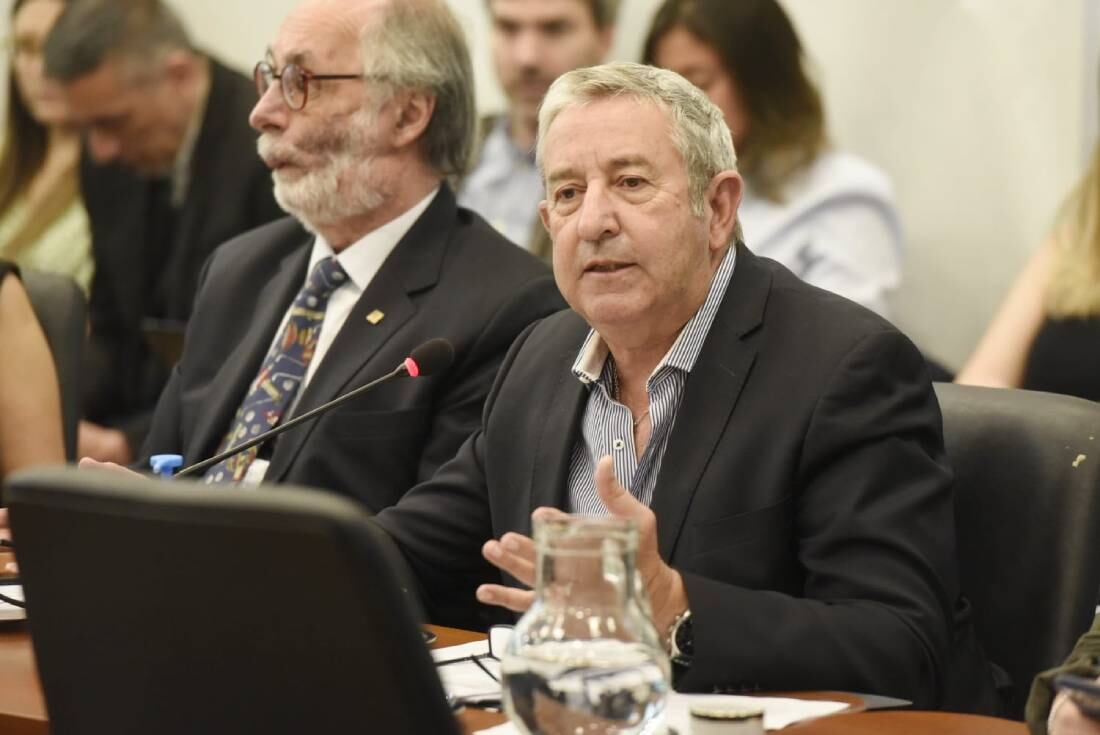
[[11, 612], [778, 712], [465, 679]]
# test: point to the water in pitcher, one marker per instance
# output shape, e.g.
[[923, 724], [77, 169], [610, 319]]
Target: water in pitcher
[[591, 687]]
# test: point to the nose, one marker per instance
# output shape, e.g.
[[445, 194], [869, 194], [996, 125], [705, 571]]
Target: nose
[[527, 49], [104, 147], [597, 220], [270, 112]]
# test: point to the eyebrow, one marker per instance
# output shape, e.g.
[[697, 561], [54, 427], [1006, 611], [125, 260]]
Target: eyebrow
[[298, 58], [614, 165], [622, 162]]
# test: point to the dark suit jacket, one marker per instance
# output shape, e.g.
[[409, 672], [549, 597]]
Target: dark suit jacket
[[804, 494], [230, 192], [451, 276]]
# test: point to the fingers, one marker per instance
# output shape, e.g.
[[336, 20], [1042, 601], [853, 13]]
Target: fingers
[[87, 463], [548, 514], [618, 501], [516, 600], [514, 554]]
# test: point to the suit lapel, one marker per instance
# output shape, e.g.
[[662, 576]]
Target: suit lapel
[[560, 430], [414, 265], [243, 362], [710, 395]]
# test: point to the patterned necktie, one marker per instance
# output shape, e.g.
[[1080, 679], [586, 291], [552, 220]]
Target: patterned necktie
[[282, 372]]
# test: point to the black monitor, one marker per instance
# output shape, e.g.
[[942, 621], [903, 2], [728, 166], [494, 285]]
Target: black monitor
[[171, 607]]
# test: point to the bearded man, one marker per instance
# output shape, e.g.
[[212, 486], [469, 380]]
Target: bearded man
[[366, 106]]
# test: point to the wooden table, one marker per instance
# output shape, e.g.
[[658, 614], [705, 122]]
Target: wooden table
[[23, 711]]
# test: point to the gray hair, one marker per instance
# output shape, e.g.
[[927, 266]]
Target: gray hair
[[418, 44], [697, 127], [88, 32]]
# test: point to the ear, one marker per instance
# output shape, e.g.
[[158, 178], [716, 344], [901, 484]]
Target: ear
[[723, 198], [544, 214], [414, 110]]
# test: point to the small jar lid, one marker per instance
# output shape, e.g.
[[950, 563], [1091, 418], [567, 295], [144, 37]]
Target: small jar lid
[[725, 714]]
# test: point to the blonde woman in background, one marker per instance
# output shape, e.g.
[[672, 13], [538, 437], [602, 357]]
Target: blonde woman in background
[[1046, 334], [43, 224], [826, 215]]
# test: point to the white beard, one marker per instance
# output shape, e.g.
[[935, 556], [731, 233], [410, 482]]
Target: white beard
[[343, 187]]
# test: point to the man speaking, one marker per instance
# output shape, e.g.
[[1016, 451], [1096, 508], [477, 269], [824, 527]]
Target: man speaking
[[779, 446]]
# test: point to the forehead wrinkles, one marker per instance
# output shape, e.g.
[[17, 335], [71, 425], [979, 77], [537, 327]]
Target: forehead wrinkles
[[326, 31]]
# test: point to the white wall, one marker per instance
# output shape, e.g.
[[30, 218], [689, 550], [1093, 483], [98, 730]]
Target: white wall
[[982, 111]]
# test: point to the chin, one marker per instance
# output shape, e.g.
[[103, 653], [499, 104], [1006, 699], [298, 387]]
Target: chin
[[611, 311]]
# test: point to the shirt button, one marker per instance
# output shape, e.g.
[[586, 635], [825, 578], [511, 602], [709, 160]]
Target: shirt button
[[619, 444]]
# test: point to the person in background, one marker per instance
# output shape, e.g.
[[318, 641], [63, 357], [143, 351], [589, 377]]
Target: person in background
[[30, 401], [169, 170], [1058, 715], [43, 224], [533, 42], [1046, 334], [828, 216]]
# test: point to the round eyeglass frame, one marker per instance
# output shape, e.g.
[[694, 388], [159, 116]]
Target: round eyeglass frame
[[293, 82]]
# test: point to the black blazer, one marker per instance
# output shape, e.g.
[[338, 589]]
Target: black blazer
[[804, 495], [451, 276], [230, 192]]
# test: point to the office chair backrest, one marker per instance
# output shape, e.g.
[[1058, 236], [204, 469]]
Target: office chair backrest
[[1027, 507], [169, 607], [61, 309]]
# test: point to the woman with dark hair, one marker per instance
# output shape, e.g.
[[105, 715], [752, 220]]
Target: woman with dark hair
[[43, 224], [826, 215]]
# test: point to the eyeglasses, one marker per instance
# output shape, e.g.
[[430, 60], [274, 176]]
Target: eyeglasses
[[294, 81]]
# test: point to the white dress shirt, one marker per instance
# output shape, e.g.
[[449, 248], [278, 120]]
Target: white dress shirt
[[361, 261]]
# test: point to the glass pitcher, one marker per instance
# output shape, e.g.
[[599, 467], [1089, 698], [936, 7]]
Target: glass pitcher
[[585, 659]]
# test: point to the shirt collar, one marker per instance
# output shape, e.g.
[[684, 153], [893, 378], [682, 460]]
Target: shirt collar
[[499, 142], [363, 258], [591, 361]]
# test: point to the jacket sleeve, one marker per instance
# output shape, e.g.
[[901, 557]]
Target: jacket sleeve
[[1083, 661], [441, 524]]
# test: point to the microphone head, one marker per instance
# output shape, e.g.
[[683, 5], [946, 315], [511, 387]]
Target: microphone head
[[432, 357]]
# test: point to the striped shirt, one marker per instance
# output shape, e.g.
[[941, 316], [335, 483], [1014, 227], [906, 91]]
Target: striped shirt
[[608, 426]]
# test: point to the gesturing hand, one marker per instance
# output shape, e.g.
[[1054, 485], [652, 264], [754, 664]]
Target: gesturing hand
[[515, 554]]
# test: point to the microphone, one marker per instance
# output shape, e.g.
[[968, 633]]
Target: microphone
[[429, 358]]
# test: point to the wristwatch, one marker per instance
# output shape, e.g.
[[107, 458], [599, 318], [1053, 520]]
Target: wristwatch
[[681, 642]]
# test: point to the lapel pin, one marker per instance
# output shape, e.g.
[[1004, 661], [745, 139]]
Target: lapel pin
[[376, 316]]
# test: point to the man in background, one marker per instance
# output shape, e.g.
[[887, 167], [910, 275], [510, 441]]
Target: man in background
[[534, 42], [169, 171]]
